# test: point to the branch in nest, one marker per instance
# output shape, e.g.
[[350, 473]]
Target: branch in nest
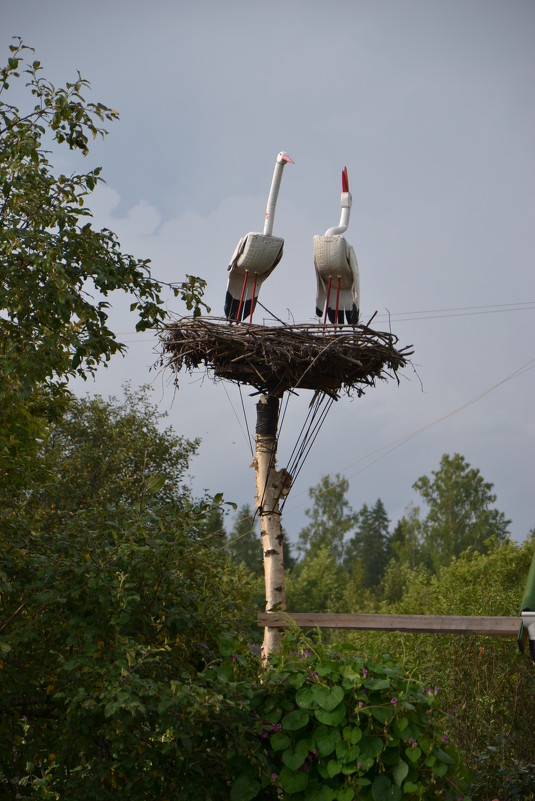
[[275, 359]]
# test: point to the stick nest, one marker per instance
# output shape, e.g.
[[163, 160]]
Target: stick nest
[[273, 359]]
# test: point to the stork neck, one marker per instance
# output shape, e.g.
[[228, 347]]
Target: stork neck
[[345, 203], [272, 199]]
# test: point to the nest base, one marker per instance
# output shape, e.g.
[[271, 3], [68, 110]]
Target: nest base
[[334, 359]]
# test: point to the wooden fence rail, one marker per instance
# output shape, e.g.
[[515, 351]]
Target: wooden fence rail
[[422, 624]]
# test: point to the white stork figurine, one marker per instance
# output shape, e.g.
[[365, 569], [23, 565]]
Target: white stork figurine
[[337, 271], [255, 257]]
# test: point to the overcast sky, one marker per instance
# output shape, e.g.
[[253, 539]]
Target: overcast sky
[[431, 107]]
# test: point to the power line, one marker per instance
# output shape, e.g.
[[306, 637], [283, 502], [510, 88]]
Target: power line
[[385, 450]]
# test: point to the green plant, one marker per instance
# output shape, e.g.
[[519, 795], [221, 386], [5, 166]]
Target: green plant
[[338, 728]]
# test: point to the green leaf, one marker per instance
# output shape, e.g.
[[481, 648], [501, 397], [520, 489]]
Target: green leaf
[[371, 746], [413, 754], [384, 790], [399, 772], [279, 741], [244, 788], [333, 718], [294, 760], [306, 697], [352, 734], [292, 781], [154, 483], [345, 794], [327, 697], [326, 740], [384, 714], [443, 756], [295, 720], [334, 767]]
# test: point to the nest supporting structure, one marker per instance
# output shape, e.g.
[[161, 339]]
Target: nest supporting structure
[[335, 359]]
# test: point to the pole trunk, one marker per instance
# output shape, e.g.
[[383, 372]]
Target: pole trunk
[[271, 485]]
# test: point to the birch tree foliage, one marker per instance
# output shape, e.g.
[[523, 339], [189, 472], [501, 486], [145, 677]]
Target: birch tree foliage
[[57, 272]]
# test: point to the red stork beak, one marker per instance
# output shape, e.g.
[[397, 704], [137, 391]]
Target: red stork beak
[[286, 158], [345, 180]]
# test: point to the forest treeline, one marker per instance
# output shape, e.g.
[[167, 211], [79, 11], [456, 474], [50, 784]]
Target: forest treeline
[[127, 613], [366, 558]]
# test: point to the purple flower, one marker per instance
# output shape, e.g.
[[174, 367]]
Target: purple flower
[[412, 742], [361, 704], [314, 674], [445, 738], [264, 734], [358, 765], [393, 701], [274, 777], [276, 726], [255, 714], [437, 690], [336, 655], [428, 690], [364, 672], [308, 652], [234, 657]]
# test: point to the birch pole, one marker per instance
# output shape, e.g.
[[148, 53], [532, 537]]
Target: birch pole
[[271, 485]]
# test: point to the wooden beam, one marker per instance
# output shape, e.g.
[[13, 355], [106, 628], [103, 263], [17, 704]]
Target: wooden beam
[[422, 624]]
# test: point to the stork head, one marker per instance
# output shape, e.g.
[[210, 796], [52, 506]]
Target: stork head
[[284, 158]]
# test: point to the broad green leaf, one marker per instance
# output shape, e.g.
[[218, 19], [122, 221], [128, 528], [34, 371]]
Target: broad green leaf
[[245, 788], [327, 697], [292, 781], [352, 734], [293, 759], [279, 741], [399, 772], [295, 720], [305, 697], [334, 767], [413, 754], [333, 718], [384, 790], [326, 740]]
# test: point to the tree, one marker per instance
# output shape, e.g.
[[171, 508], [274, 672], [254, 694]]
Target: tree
[[459, 511], [103, 453], [117, 624], [244, 541], [317, 584], [331, 517], [56, 271], [483, 683], [369, 545]]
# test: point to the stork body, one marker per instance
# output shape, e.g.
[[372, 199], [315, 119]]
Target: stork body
[[255, 257], [337, 271]]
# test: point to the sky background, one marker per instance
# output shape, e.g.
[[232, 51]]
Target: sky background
[[431, 107]]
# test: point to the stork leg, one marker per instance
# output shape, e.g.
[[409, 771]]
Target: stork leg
[[337, 302], [252, 298], [240, 306], [327, 302]]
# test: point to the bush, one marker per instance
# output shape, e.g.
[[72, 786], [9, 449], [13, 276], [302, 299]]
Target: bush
[[337, 727], [486, 685]]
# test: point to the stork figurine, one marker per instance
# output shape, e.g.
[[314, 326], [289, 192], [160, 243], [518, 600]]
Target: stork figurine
[[337, 271], [255, 257]]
